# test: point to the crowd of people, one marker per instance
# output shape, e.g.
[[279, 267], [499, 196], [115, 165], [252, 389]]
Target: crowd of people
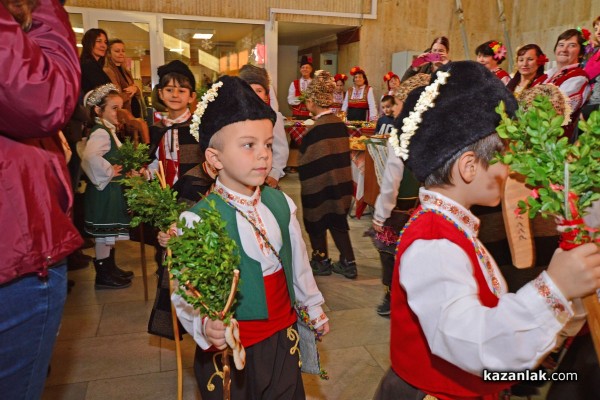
[[445, 294]]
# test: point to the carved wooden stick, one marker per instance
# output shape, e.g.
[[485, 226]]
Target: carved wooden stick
[[234, 285]]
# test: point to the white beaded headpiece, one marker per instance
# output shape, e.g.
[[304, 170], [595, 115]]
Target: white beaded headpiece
[[94, 97]]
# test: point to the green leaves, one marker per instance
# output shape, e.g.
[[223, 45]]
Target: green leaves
[[132, 157], [205, 256], [151, 204], [537, 150]]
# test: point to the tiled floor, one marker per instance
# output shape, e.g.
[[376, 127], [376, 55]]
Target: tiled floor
[[103, 351]]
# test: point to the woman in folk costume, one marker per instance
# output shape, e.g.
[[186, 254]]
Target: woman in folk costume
[[530, 66], [392, 81], [491, 54], [106, 217], [326, 181], [338, 93], [568, 74], [429, 61], [171, 140], [359, 102], [297, 88]]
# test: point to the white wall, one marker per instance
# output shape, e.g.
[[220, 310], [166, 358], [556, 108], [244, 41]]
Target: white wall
[[287, 70]]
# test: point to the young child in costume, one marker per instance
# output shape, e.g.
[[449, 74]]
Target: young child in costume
[[491, 54], [258, 79], [236, 133], [171, 140], [386, 121], [452, 318], [338, 93], [324, 167], [397, 199], [106, 217]]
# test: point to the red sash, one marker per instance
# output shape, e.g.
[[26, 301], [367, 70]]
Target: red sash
[[281, 312]]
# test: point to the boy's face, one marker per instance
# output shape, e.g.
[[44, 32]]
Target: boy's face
[[397, 108], [488, 184], [176, 98], [260, 91], [388, 108], [243, 155]]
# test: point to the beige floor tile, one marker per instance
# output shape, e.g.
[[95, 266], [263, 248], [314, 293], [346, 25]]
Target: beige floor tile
[[74, 391], [80, 322], [168, 358], [88, 359], [125, 317]]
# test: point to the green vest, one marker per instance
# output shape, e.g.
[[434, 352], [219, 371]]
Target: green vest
[[251, 298]]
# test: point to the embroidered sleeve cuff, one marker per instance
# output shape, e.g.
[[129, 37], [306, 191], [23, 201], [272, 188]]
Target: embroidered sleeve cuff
[[553, 297], [317, 316]]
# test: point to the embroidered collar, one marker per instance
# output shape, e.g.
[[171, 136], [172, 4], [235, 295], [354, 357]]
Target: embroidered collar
[[457, 213], [555, 73], [182, 118], [238, 200]]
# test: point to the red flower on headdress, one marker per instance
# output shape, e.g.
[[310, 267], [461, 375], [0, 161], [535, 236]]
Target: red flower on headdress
[[309, 59], [389, 76], [340, 77], [355, 70], [585, 33], [499, 50], [542, 59]]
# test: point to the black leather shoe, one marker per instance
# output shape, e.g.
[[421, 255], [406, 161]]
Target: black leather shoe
[[105, 279]]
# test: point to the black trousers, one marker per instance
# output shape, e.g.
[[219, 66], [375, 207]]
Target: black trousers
[[271, 372]]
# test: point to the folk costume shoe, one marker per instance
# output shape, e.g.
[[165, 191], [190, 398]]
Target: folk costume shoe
[[105, 279], [384, 308], [115, 268], [346, 268], [321, 268]]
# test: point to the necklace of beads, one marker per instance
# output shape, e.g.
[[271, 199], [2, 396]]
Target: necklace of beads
[[481, 254]]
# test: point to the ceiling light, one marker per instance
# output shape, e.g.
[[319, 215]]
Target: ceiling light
[[176, 50], [77, 30], [203, 35]]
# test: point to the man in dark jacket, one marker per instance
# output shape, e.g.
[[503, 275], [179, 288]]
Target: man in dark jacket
[[38, 93]]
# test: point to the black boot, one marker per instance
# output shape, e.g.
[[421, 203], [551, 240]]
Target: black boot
[[105, 279], [116, 270], [384, 308]]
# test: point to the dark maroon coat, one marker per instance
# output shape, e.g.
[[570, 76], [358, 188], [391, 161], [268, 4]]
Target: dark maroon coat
[[38, 92]]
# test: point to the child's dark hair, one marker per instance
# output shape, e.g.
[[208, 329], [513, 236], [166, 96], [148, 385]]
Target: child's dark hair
[[485, 149], [487, 50], [388, 97], [178, 78]]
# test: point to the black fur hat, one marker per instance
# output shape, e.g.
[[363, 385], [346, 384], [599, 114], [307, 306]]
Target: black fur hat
[[235, 102], [305, 60], [178, 67], [464, 111]]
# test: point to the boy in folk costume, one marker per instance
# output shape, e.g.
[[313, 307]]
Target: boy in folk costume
[[236, 133], [171, 140], [452, 317]]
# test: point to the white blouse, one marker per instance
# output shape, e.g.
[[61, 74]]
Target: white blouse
[[93, 163], [305, 287], [516, 334]]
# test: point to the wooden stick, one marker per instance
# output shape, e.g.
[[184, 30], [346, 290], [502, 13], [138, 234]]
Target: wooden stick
[[143, 255], [592, 306], [226, 374], [175, 334], [162, 178], [234, 284]]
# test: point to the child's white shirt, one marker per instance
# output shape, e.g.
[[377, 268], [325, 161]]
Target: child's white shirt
[[96, 167]]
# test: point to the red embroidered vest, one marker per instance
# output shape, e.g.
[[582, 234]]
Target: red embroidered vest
[[410, 354], [299, 110], [361, 103], [501, 74]]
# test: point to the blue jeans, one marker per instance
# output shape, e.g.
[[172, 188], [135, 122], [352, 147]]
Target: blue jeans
[[30, 313]]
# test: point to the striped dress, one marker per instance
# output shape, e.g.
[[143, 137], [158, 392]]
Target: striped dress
[[325, 175]]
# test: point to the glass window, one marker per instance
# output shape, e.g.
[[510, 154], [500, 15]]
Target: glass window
[[76, 20]]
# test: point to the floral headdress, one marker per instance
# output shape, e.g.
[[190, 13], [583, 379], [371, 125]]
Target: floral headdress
[[94, 97], [340, 77], [411, 123], [355, 70], [210, 95], [499, 50], [585, 33], [542, 59], [388, 77]]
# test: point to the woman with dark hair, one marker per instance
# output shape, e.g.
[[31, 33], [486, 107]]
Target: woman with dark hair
[[121, 77], [430, 60], [95, 44], [530, 66], [491, 54], [592, 68], [359, 102], [568, 75]]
